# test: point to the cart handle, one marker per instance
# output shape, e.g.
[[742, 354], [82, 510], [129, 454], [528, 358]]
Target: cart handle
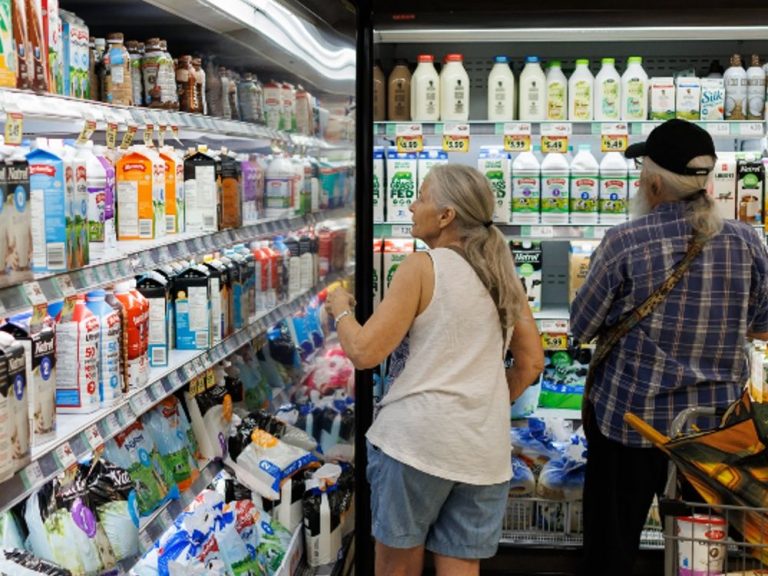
[[689, 413]]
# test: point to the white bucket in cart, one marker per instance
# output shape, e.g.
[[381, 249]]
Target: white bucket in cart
[[701, 545]]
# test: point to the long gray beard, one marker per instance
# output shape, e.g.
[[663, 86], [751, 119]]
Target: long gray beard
[[640, 206]]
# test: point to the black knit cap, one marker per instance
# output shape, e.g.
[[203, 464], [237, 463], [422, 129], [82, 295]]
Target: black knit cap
[[673, 144]]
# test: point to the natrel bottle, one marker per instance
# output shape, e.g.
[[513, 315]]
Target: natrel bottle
[[454, 90], [533, 91], [501, 91], [425, 91]]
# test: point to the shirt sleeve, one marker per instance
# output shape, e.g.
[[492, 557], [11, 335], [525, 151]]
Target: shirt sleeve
[[759, 290], [594, 299]]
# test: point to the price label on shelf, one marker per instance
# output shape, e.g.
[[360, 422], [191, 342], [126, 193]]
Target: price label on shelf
[[554, 143], [409, 138], [542, 232], [402, 230], [557, 326], [145, 540], [141, 402], [128, 137], [648, 127], [149, 135], [34, 293], [111, 135], [517, 137], [753, 129], [550, 341], [158, 390], [14, 128], [161, 135], [93, 437], [175, 134], [175, 380], [717, 129], [32, 475], [456, 137], [112, 423], [165, 518], [87, 132], [614, 137], [65, 456]]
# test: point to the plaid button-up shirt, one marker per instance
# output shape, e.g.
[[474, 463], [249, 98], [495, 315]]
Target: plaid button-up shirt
[[690, 351]]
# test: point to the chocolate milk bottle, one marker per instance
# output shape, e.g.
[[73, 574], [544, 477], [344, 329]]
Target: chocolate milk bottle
[[379, 94], [399, 93]]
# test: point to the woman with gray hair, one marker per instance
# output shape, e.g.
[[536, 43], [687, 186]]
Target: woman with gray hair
[[438, 451], [671, 296]]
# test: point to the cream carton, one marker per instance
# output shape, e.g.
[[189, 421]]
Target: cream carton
[[428, 158], [378, 184], [688, 98], [495, 164], [749, 190], [401, 185], [724, 188], [662, 98], [396, 250], [528, 263], [712, 99]]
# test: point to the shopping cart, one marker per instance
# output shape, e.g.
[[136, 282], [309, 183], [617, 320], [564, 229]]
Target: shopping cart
[[700, 538]]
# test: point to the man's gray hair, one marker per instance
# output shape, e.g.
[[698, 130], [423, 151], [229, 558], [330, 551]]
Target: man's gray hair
[[701, 210]]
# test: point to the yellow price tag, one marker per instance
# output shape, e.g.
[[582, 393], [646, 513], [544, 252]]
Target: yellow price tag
[[550, 341], [453, 143], [517, 143], [111, 135], [86, 132], [128, 137], [14, 128], [409, 143], [613, 142], [558, 144], [161, 135], [149, 134]]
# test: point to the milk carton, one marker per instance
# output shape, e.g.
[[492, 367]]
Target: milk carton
[[110, 349], [688, 98], [34, 330], [253, 189], [174, 190], [52, 32], [77, 348], [662, 98], [136, 194], [712, 99], [7, 422], [401, 185], [201, 193], [528, 263], [18, 398], [51, 203], [428, 158], [378, 184], [724, 190], [15, 221], [396, 250], [749, 190], [155, 288], [378, 285], [192, 309], [496, 165], [526, 189]]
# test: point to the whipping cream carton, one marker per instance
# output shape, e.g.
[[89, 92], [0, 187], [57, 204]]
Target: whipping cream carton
[[14, 356], [495, 164], [662, 98], [749, 190], [712, 99], [688, 98], [15, 222], [401, 185]]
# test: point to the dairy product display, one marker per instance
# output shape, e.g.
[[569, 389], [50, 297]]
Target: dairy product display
[[526, 189], [614, 195], [634, 91], [495, 164], [555, 189], [687, 98], [557, 92], [580, 92], [501, 91], [585, 187], [454, 90], [735, 79], [533, 91], [425, 91], [607, 93]]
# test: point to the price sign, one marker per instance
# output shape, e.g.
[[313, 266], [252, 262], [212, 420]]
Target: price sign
[[614, 137], [111, 135], [409, 138], [65, 456], [34, 293], [542, 232], [14, 128], [66, 287], [550, 341], [456, 138], [754, 129], [149, 135], [32, 475], [128, 137], [648, 127], [717, 129], [517, 137], [401, 230], [112, 423], [87, 132], [93, 437], [556, 326], [141, 402], [557, 144], [161, 135]]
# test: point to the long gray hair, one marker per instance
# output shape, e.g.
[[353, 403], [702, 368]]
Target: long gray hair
[[701, 212], [469, 193]]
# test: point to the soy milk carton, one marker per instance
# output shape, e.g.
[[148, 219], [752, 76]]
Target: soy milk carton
[[428, 158], [401, 185], [34, 330], [495, 165], [712, 99], [378, 184], [12, 353], [53, 240], [396, 250], [77, 346]]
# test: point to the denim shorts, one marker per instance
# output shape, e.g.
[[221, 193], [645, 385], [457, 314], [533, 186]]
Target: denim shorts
[[411, 508]]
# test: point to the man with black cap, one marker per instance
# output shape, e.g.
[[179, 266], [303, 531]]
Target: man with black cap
[[671, 297]]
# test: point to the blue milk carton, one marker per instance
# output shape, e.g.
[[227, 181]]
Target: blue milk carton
[[156, 289], [192, 308], [51, 203]]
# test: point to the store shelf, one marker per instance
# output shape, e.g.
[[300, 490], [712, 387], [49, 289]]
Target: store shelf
[[744, 129], [132, 258], [553, 313], [78, 435], [527, 231], [50, 114]]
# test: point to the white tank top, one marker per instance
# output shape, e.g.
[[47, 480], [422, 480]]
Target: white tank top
[[447, 412]]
